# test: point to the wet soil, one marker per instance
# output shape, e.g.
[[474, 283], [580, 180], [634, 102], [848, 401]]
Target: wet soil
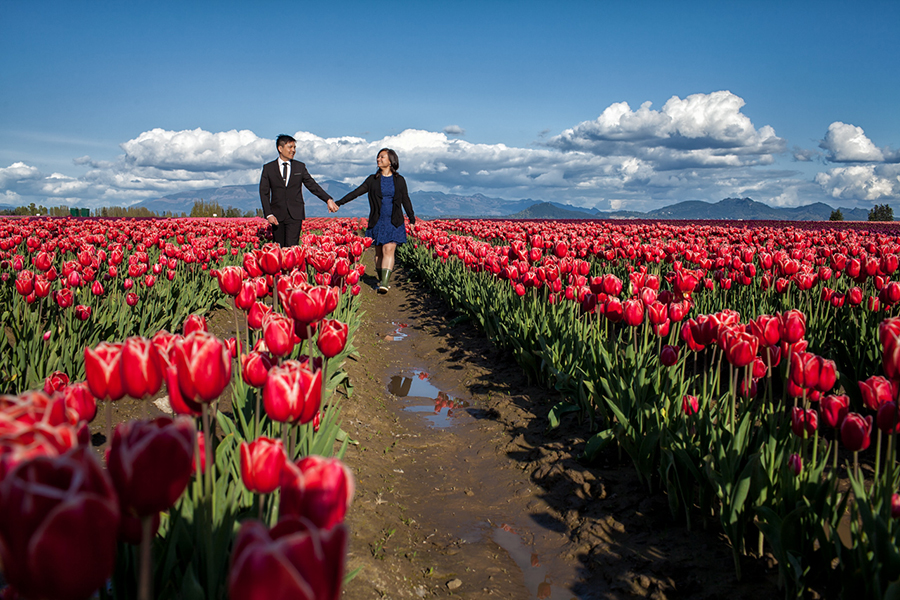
[[463, 491]]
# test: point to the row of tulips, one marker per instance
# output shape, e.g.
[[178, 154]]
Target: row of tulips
[[643, 330], [181, 511]]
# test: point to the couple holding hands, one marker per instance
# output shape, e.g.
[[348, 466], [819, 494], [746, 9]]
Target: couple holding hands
[[281, 193]]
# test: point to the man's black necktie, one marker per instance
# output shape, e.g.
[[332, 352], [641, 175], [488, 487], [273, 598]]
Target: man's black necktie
[[284, 172]]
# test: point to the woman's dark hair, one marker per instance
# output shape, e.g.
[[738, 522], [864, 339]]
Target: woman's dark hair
[[392, 156]]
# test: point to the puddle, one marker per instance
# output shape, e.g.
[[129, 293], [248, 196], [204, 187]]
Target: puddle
[[397, 335], [439, 412], [536, 576]]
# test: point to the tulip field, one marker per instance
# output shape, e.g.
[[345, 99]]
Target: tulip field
[[245, 480], [749, 371]]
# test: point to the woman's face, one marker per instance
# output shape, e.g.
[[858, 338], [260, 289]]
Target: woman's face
[[383, 161]]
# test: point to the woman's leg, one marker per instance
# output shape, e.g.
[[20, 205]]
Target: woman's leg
[[387, 254], [379, 258], [387, 263]]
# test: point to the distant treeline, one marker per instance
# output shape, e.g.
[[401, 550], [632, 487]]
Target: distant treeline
[[201, 208]]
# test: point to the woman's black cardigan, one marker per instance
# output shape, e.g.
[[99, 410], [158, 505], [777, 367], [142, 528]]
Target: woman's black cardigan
[[372, 185]]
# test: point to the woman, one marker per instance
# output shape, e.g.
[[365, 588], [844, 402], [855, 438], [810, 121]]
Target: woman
[[387, 193]]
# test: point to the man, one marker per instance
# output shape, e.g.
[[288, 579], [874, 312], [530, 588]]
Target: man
[[281, 192]]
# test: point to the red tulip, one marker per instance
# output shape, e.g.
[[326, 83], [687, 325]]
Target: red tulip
[[142, 367], [194, 323], [633, 312], [83, 312], [246, 297], [57, 381], [150, 463], [292, 393], [888, 418], [690, 405], [102, 366], [295, 560], [80, 401], [269, 259], [332, 337], [877, 390], [793, 326], [203, 366], [795, 464], [255, 368], [230, 279], [278, 331], [262, 461], [319, 489], [257, 314], [804, 422], [740, 347], [58, 526], [813, 372], [768, 329], [180, 405], [668, 356], [834, 409], [856, 432]]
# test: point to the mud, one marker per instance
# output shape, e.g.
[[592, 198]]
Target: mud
[[463, 491]]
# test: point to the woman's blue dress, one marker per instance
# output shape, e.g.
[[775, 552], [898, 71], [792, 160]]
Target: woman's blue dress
[[384, 231]]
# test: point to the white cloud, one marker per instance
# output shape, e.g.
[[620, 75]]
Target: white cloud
[[861, 182], [698, 148], [848, 143], [702, 130]]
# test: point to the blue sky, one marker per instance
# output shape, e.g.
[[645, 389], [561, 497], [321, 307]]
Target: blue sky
[[105, 103]]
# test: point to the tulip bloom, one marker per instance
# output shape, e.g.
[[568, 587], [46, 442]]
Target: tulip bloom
[[834, 409], [194, 323], [889, 333], [293, 560], [740, 347], [278, 332], [292, 393], [150, 463], [80, 401], [856, 432], [319, 489], [793, 326], [142, 367], [668, 356], [888, 418], [804, 422], [795, 464], [633, 312], [690, 405], [255, 368], [262, 461], [59, 521], [102, 366], [230, 279], [877, 390], [57, 381], [813, 372], [203, 365], [332, 337]]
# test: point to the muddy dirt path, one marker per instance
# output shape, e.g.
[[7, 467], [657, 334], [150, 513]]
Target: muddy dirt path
[[462, 491]]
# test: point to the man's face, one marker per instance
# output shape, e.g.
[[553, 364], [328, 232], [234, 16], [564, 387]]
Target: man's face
[[287, 151]]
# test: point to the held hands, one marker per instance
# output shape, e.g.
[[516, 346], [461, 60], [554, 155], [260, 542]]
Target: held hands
[[332, 207]]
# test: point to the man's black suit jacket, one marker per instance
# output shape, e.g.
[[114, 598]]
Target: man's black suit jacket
[[286, 201]]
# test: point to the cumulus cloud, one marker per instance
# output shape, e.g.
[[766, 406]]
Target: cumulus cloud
[[848, 143], [702, 130], [865, 182], [701, 147], [454, 130]]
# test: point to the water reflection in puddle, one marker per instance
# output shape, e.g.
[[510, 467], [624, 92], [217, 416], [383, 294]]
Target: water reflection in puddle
[[439, 411], [537, 579], [397, 335]]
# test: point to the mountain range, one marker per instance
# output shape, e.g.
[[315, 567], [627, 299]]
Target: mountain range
[[438, 204]]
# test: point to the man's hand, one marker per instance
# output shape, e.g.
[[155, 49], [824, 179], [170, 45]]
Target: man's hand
[[332, 207], [271, 219]]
